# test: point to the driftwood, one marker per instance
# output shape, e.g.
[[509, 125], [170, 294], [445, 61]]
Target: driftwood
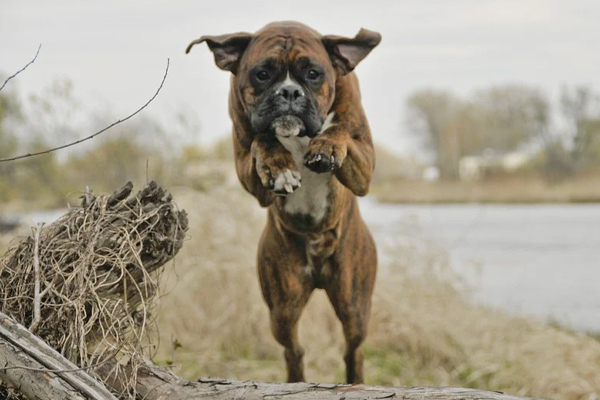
[[155, 383], [26, 362], [120, 242]]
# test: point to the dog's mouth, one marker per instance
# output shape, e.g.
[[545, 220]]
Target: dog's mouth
[[288, 126]]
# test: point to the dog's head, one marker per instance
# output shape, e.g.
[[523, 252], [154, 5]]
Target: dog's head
[[285, 74]]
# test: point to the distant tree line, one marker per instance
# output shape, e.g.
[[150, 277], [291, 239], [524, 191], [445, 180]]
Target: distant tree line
[[508, 118]]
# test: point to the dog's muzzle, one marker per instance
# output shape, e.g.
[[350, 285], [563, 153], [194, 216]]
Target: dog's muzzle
[[287, 110], [288, 126]]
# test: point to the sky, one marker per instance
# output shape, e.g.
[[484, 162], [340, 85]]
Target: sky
[[116, 50]]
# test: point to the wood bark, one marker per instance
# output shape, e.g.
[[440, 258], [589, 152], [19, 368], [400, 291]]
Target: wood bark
[[29, 364], [32, 384], [156, 383]]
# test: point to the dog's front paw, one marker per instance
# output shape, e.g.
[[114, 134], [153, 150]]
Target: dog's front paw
[[323, 155], [286, 182], [279, 176]]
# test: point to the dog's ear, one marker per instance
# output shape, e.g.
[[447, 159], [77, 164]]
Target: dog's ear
[[346, 53], [227, 49]]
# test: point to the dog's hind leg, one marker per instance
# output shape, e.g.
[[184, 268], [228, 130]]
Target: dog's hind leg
[[350, 291], [354, 320], [286, 290], [284, 324]]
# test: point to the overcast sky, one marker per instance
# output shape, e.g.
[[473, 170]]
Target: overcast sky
[[117, 49]]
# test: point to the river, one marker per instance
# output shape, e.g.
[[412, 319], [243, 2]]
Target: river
[[540, 260]]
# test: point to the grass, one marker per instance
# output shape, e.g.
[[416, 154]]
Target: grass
[[508, 190], [423, 331]]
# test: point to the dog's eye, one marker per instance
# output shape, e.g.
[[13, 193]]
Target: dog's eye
[[263, 75], [313, 74]]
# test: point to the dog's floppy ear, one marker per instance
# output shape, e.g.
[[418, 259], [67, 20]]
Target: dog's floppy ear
[[227, 49], [346, 53]]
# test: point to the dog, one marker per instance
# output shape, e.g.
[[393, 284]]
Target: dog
[[303, 148]]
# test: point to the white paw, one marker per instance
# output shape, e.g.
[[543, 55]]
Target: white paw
[[287, 182]]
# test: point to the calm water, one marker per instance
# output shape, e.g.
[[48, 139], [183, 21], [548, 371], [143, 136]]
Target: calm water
[[541, 260]]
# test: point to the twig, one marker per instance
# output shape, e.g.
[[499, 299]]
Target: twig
[[64, 146], [22, 69], [58, 371], [36, 271]]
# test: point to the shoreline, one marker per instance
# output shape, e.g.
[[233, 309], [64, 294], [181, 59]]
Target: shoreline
[[584, 190]]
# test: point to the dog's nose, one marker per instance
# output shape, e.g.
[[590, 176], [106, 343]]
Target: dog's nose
[[290, 91]]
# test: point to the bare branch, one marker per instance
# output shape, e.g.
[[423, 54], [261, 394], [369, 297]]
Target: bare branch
[[58, 371], [64, 146], [22, 69], [36, 268]]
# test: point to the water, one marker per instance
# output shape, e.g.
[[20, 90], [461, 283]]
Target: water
[[541, 260]]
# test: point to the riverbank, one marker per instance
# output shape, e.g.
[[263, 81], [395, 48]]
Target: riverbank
[[497, 191], [426, 327]]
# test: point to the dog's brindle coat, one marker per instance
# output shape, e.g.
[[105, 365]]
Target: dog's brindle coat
[[303, 148]]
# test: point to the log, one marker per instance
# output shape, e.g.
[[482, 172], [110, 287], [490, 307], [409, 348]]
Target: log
[[29, 364], [155, 383]]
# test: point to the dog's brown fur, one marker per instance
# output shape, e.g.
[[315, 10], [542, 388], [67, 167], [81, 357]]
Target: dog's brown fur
[[297, 255]]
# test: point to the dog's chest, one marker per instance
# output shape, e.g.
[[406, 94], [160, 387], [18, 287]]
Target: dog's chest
[[310, 199]]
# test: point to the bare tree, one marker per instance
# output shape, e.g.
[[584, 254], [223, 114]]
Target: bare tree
[[430, 116], [500, 119], [511, 115], [580, 107]]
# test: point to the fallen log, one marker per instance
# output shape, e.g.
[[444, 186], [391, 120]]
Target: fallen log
[[156, 383], [39, 371]]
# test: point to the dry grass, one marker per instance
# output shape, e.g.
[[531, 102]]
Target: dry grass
[[423, 331], [502, 190]]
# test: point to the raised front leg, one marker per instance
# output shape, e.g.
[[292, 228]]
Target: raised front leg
[[345, 145], [348, 154], [266, 169]]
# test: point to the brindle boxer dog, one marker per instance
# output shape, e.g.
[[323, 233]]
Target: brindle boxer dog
[[303, 148]]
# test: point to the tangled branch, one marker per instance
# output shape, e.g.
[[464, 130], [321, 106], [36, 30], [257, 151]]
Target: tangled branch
[[64, 146], [92, 294]]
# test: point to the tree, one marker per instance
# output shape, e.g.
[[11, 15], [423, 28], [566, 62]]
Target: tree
[[511, 115], [500, 118], [580, 108], [430, 116]]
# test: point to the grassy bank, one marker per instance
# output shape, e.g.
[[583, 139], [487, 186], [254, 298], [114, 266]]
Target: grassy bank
[[501, 190], [424, 331]]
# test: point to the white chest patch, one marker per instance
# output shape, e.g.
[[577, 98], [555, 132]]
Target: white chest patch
[[311, 197]]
